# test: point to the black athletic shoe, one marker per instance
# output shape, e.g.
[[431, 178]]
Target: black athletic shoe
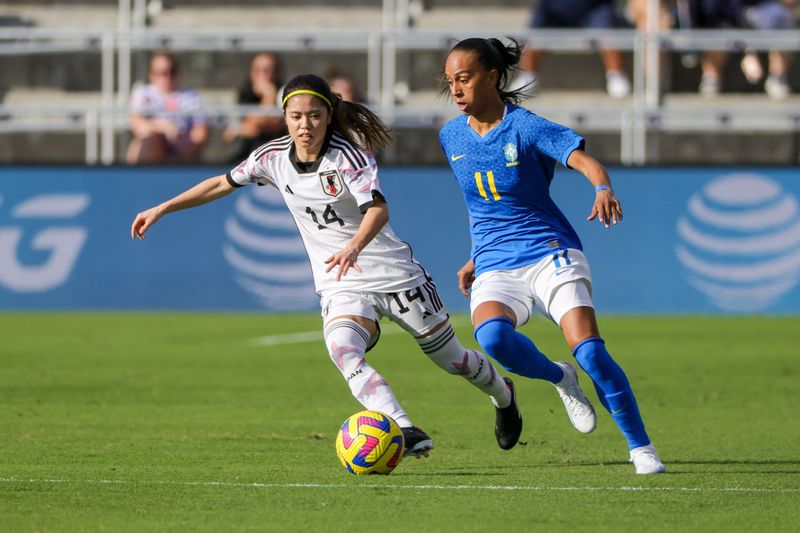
[[418, 443], [508, 421]]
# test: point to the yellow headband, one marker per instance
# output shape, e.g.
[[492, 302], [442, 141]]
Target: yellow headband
[[307, 91]]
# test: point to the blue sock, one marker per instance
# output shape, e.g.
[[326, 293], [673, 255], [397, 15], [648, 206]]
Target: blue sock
[[613, 389], [515, 352]]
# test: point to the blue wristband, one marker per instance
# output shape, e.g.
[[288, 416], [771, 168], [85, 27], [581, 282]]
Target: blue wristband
[[598, 188]]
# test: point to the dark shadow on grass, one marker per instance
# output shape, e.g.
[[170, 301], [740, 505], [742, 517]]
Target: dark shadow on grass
[[450, 474], [794, 462], [499, 470], [674, 467], [756, 466]]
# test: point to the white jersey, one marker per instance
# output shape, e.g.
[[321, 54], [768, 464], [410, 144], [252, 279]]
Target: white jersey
[[327, 199]]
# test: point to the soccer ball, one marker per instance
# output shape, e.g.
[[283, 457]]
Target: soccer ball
[[369, 442]]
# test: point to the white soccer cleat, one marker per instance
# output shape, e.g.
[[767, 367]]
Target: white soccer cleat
[[646, 460], [579, 410]]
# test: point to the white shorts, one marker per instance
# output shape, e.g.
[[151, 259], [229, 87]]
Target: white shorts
[[555, 285], [417, 310]]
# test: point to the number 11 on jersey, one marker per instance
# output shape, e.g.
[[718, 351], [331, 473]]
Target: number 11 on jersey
[[492, 188]]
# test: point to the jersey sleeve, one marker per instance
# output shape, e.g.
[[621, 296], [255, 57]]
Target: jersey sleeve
[[251, 170], [360, 172], [551, 139]]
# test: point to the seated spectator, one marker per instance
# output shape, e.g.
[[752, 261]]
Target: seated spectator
[[596, 14], [769, 15], [163, 126], [343, 85], [753, 14], [636, 12], [262, 87]]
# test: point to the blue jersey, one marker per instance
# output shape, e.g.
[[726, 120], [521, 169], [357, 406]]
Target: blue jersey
[[505, 177]]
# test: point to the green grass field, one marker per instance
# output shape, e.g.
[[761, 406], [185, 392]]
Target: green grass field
[[139, 422]]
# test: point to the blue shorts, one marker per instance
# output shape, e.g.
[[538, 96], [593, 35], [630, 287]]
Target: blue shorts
[[575, 14]]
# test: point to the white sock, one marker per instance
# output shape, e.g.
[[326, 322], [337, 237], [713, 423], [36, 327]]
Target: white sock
[[347, 341], [444, 349]]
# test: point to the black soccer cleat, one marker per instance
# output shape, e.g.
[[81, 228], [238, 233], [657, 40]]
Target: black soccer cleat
[[508, 421], [417, 442]]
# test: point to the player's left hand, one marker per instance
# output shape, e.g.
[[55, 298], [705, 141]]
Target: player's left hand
[[345, 259], [143, 221], [606, 208]]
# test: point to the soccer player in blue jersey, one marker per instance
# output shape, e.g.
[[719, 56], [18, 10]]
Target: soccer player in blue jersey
[[525, 253]]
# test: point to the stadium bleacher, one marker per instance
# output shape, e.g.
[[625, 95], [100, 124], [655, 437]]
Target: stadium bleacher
[[66, 81]]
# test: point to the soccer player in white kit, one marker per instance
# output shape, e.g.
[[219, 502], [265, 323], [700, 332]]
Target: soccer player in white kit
[[327, 175]]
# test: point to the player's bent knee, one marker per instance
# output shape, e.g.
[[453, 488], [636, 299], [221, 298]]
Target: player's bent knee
[[346, 340], [493, 309]]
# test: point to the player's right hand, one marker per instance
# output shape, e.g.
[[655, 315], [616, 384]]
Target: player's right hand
[[606, 208], [466, 275], [143, 221]]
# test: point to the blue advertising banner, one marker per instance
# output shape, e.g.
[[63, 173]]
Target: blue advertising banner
[[692, 241]]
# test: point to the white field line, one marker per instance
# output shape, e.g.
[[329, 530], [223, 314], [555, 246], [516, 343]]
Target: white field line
[[532, 488], [316, 335], [289, 338]]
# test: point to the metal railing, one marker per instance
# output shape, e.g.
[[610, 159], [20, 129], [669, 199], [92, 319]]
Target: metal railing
[[642, 114]]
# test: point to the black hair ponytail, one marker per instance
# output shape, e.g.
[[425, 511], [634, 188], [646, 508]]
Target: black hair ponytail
[[492, 54], [356, 123]]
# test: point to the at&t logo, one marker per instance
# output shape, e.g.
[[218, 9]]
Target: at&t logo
[[266, 253], [740, 242]]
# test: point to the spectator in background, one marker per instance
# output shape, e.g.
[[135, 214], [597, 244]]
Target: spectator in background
[[769, 15], [166, 120], [262, 87], [594, 14], [343, 85], [636, 13], [751, 14]]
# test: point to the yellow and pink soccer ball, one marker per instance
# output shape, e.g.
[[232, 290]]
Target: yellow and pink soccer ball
[[369, 442]]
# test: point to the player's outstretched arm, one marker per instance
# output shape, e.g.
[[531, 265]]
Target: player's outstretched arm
[[466, 275], [202, 193], [374, 219], [606, 207]]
